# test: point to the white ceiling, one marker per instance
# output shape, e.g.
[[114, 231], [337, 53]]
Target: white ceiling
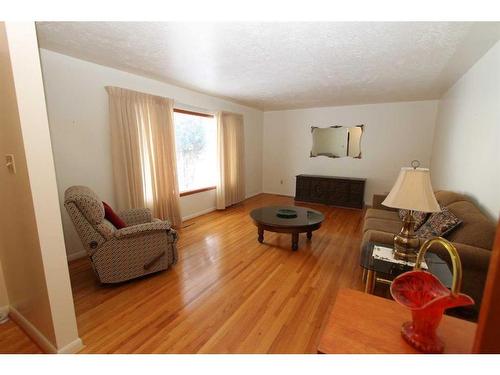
[[284, 65]]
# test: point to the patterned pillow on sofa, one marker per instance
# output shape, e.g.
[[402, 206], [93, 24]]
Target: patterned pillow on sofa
[[420, 217], [439, 224]]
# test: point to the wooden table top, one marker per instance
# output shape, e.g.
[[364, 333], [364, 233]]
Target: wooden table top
[[306, 217], [364, 323]]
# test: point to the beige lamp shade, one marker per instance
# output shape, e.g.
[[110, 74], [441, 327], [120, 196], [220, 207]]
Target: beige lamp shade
[[413, 191]]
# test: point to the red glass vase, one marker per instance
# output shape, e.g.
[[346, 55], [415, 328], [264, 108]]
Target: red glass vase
[[427, 298]]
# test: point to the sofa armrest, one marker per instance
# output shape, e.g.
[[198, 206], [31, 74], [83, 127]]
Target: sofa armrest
[[474, 257], [141, 229], [471, 257], [475, 263], [136, 216], [377, 202]]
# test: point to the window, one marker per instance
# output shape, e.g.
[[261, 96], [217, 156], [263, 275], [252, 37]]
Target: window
[[195, 142]]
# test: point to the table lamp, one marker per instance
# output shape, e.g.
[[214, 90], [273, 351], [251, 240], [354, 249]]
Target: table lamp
[[413, 192]]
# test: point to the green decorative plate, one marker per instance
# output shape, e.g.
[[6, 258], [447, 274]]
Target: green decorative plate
[[286, 213]]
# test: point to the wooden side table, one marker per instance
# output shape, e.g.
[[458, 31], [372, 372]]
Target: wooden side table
[[363, 323]]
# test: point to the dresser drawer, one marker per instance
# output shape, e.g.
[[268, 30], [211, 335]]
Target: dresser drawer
[[335, 191]]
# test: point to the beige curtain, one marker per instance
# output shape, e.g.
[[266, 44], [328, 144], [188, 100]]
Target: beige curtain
[[231, 159], [143, 153]]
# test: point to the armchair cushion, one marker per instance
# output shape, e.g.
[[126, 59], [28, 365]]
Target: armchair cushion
[[112, 217], [143, 229]]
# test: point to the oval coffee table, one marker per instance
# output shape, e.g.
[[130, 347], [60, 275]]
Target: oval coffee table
[[306, 221]]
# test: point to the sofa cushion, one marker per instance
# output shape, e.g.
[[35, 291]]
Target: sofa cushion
[[373, 213], [439, 224], [419, 217], [382, 225]]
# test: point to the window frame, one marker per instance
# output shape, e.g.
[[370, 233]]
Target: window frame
[[199, 190]]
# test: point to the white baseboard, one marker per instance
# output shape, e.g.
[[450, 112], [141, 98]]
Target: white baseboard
[[40, 339], [253, 194], [77, 255], [32, 331], [72, 348], [4, 310], [211, 209], [282, 194], [199, 213]]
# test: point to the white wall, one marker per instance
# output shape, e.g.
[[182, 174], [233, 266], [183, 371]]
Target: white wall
[[32, 248], [466, 151], [394, 134], [78, 115]]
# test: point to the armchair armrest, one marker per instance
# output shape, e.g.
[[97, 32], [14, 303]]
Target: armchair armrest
[[155, 226], [136, 216]]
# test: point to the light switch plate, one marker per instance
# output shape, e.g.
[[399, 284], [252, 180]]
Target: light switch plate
[[10, 163]]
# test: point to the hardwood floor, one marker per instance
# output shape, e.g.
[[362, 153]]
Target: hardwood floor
[[13, 340], [228, 293]]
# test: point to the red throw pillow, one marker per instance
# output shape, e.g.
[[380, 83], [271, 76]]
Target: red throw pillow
[[112, 217]]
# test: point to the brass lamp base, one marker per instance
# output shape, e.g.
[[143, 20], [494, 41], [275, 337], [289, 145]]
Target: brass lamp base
[[406, 244]]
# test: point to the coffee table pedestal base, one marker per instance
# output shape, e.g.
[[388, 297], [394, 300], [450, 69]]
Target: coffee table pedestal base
[[306, 220], [295, 236]]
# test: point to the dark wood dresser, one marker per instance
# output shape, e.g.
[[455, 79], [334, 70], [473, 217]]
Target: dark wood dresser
[[331, 190]]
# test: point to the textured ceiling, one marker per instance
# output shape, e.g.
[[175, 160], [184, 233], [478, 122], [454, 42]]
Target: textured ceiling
[[284, 65]]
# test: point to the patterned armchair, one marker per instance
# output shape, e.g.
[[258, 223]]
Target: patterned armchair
[[145, 246]]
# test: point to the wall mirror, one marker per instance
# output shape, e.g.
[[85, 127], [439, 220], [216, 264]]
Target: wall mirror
[[337, 141]]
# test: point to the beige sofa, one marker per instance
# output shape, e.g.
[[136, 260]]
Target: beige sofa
[[473, 238]]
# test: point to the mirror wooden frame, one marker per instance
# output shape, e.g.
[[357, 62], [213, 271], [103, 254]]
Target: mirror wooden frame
[[362, 126]]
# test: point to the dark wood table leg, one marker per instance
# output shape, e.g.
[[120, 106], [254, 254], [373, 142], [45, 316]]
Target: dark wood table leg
[[309, 235], [260, 230], [295, 241]]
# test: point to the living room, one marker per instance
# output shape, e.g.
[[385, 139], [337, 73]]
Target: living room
[[185, 214]]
